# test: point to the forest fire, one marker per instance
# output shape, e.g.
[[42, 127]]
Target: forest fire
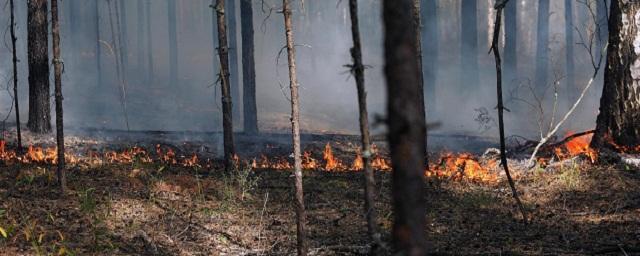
[[464, 166], [575, 147]]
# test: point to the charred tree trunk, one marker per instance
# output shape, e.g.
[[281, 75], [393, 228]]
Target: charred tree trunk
[[569, 61], [15, 74], [511, 42], [430, 68], [469, 29], [407, 129], [250, 109], [38, 55], [542, 46], [417, 28], [295, 128], [227, 117], [173, 44], [234, 80], [57, 73], [369, 182], [619, 119]]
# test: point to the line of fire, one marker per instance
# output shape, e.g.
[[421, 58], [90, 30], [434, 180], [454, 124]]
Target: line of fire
[[320, 127]]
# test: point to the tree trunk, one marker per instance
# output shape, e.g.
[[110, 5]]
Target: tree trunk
[[123, 27], [430, 68], [248, 69], [406, 123], [569, 61], [173, 44], [469, 29], [57, 73], [150, 71], [602, 29], [15, 74], [295, 128], [98, 50], [542, 46], [511, 42], [140, 36], [38, 55], [227, 117], [234, 80], [417, 28], [619, 118], [369, 181]]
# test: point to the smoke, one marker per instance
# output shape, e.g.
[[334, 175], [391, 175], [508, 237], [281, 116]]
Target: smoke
[[323, 39]]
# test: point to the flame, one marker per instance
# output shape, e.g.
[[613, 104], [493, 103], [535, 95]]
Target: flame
[[463, 166], [358, 163], [308, 162], [331, 163], [577, 146]]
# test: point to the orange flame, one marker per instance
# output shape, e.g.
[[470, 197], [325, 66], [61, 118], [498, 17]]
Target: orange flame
[[463, 167]]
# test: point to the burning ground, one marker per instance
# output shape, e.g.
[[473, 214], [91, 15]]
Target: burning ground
[[165, 193]]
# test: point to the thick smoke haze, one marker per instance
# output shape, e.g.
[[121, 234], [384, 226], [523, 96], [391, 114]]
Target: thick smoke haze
[[323, 39]]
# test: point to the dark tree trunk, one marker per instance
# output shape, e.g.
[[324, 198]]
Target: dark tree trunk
[[417, 28], [469, 46], [57, 73], [542, 46], [248, 69], [124, 37], [38, 54], [430, 68], [602, 12], [511, 42], [150, 71], [369, 181], [407, 129], [569, 61], [619, 118], [173, 44], [15, 74], [295, 129], [234, 80], [227, 117]]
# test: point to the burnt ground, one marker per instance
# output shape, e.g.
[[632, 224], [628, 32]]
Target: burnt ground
[[152, 208]]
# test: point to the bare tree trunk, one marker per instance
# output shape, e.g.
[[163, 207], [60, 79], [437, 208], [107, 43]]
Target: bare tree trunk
[[542, 47], [173, 44], [430, 68], [57, 73], [98, 50], [417, 26], [234, 79], [15, 74], [248, 69], [618, 124], [511, 42], [38, 55], [150, 71], [569, 61], [295, 128], [227, 115], [123, 27], [369, 180], [469, 45], [140, 36], [503, 155], [407, 129], [117, 42]]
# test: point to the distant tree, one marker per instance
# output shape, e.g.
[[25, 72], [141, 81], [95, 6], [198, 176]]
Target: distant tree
[[227, 114], [430, 68], [38, 55], [149, 52], [569, 43], [98, 50], [173, 43], [407, 129], [542, 46], [250, 109], [57, 74], [123, 27], [295, 128], [511, 41], [140, 36], [469, 51], [602, 16], [619, 118], [357, 69], [234, 79]]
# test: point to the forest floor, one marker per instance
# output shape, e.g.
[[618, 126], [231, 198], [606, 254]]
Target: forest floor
[[153, 208]]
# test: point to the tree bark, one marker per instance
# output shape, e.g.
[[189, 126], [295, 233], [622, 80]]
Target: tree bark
[[569, 61], [369, 180], [57, 73], [38, 55], [511, 42], [469, 29], [417, 27], [250, 109], [234, 80], [15, 74], [173, 44], [619, 118], [406, 123], [430, 68], [542, 46], [295, 128], [227, 115]]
